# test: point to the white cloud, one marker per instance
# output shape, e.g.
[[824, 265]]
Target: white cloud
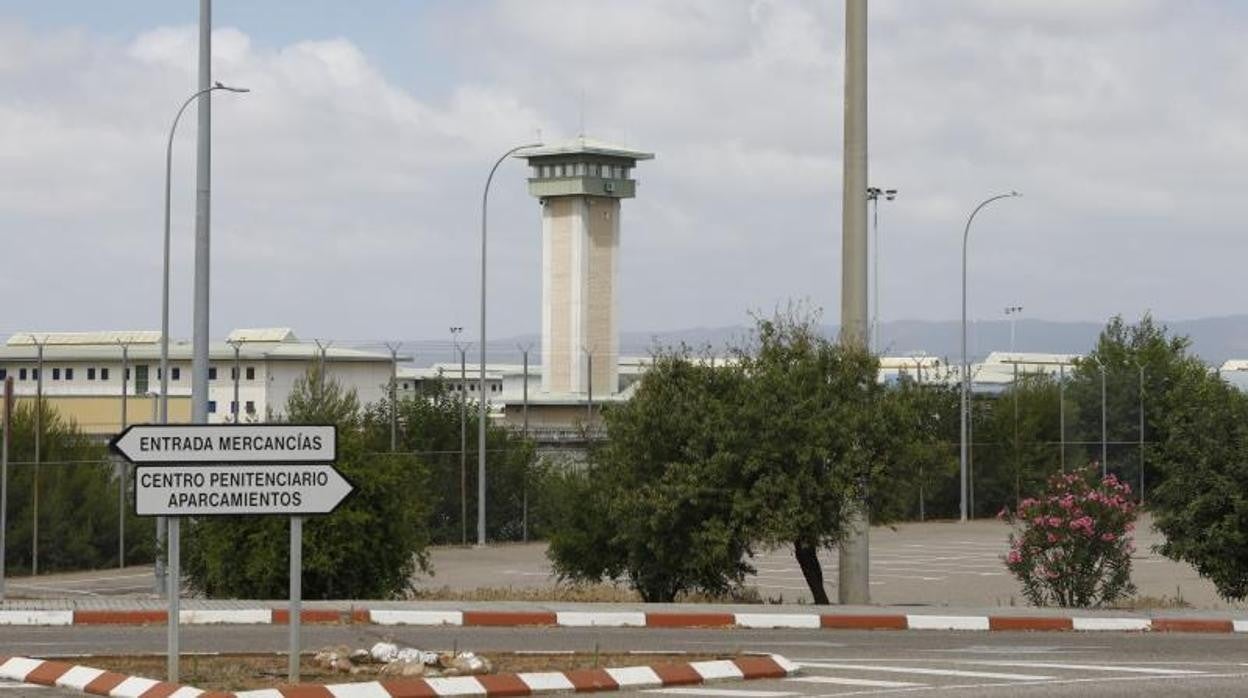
[[346, 203]]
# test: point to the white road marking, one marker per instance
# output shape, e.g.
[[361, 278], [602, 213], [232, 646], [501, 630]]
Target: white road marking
[[1096, 623], [926, 672], [20, 685], [841, 681], [738, 693], [1054, 682], [1087, 667]]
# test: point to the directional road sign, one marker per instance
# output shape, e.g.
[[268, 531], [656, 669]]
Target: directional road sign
[[218, 490], [227, 443]]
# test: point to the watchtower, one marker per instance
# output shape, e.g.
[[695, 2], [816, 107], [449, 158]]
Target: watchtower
[[580, 184]]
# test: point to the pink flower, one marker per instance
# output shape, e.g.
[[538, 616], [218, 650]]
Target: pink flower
[[1013, 557], [1052, 537], [1055, 521], [1005, 511], [1108, 537]]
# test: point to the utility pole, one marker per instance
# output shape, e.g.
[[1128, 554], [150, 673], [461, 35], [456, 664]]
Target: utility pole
[[4, 474], [200, 325], [321, 349], [1061, 413], [1141, 434], [121, 462], [1104, 429], [34, 538], [853, 571], [524, 492], [236, 407], [463, 444], [1011, 312], [394, 395], [1018, 465], [873, 195], [589, 386]]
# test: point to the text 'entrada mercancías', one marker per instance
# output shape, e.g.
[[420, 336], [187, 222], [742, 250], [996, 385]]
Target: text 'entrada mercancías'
[[230, 444]]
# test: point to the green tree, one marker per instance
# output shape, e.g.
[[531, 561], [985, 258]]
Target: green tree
[[78, 499], [429, 429], [925, 465], [655, 504], [771, 449], [1017, 443], [368, 548], [816, 428]]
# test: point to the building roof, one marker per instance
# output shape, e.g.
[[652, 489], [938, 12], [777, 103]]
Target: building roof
[[580, 145], [264, 334], [110, 338], [278, 344]]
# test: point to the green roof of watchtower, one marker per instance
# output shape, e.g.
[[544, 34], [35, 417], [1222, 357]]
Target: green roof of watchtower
[[583, 167]]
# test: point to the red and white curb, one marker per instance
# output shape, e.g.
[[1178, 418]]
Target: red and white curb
[[630, 619], [107, 683]]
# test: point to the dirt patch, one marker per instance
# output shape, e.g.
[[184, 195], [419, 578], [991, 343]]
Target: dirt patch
[[244, 672]]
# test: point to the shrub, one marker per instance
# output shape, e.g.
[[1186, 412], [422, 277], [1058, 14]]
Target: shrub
[[1072, 546]]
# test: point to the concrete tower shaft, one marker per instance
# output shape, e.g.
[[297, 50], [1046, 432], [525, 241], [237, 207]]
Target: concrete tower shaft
[[580, 184]]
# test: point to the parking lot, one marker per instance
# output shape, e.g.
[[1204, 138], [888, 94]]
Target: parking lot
[[934, 563]]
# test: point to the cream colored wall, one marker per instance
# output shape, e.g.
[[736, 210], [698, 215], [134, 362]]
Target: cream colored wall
[[101, 414], [558, 278], [560, 416], [579, 257], [600, 336]]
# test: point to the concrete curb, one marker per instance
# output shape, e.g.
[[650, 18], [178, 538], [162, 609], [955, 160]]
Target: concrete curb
[[107, 683], [631, 619]]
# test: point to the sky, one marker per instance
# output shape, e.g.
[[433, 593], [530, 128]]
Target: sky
[[346, 185]]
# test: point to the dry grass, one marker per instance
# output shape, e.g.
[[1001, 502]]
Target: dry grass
[[243, 672], [579, 593]]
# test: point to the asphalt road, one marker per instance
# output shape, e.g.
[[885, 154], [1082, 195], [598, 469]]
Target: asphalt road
[[834, 662]]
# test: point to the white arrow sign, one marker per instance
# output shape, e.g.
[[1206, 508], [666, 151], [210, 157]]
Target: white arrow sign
[[233, 443], [219, 490]]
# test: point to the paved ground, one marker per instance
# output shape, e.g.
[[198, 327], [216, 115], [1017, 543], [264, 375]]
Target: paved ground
[[834, 662], [928, 564], [933, 563]]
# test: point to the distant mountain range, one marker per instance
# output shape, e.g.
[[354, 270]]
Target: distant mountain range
[[1215, 339]]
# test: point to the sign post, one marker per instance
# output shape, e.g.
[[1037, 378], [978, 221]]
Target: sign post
[[234, 470]]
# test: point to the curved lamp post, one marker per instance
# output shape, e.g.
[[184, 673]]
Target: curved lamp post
[[481, 407], [164, 302], [965, 368]]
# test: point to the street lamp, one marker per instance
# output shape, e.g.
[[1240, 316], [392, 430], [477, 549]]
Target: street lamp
[[965, 368], [481, 406], [1011, 312], [873, 195], [164, 303], [164, 296]]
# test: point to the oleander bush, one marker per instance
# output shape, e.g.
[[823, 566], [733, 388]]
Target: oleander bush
[[1072, 546]]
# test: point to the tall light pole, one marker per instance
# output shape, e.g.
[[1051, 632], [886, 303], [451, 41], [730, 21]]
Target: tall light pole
[[1011, 312], [1104, 426], [34, 518], [164, 296], [481, 406], [236, 407], [161, 522], [1141, 391], [394, 394], [966, 373], [873, 195], [854, 557]]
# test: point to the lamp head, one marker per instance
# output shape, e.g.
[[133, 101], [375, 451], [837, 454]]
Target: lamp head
[[220, 86]]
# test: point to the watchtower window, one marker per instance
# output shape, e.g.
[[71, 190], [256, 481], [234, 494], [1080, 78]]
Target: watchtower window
[[580, 169]]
